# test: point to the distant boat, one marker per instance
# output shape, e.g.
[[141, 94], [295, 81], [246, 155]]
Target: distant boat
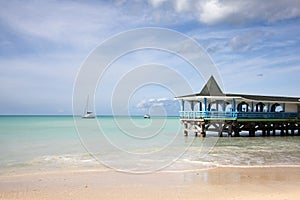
[[87, 114], [146, 116]]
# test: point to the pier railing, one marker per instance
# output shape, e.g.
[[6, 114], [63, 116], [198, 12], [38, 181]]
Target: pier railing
[[237, 115]]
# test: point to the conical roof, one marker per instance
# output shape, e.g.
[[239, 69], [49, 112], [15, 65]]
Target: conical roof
[[211, 88]]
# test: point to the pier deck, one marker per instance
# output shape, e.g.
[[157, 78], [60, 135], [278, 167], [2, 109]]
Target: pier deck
[[233, 126]]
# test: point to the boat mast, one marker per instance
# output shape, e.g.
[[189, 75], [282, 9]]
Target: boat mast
[[87, 105]]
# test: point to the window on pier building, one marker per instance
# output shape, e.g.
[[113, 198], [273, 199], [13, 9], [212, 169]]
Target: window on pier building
[[229, 108], [259, 107], [218, 105], [276, 107], [243, 107]]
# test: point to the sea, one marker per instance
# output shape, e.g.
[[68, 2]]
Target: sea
[[45, 144]]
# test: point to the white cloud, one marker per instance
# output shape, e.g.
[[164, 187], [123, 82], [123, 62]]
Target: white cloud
[[213, 11], [154, 106], [182, 5], [72, 23], [255, 39], [156, 3], [235, 12], [247, 40]]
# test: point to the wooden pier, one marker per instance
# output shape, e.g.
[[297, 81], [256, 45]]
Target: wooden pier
[[212, 110]]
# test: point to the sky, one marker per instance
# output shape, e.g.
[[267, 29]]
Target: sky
[[254, 44]]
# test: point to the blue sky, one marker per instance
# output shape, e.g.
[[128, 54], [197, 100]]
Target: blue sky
[[255, 45]]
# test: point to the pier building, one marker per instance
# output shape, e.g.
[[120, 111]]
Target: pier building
[[214, 111]]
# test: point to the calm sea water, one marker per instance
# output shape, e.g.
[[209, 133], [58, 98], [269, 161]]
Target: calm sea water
[[50, 143]]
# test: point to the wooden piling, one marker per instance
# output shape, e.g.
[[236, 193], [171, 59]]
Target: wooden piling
[[268, 126], [229, 129], [292, 127], [220, 131], [236, 129], [263, 127], [287, 129], [251, 129], [185, 129], [282, 130], [274, 129], [203, 132]]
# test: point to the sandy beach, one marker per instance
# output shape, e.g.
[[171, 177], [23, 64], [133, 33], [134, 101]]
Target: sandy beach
[[220, 183]]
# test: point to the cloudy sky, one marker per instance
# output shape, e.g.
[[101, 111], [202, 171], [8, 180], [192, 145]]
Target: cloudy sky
[[254, 44]]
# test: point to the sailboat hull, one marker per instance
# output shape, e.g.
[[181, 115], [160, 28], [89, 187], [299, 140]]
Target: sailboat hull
[[88, 116]]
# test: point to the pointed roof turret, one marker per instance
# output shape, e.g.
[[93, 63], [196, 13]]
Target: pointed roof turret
[[211, 88]]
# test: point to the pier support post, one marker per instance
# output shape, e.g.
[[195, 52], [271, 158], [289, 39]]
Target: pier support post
[[220, 131], [287, 129], [230, 130], [282, 129], [251, 133], [203, 133], [292, 126], [252, 129], [268, 129], [236, 130], [263, 129], [274, 128], [185, 132]]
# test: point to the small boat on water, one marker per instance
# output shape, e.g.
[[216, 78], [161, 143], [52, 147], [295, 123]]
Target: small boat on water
[[87, 114], [146, 116]]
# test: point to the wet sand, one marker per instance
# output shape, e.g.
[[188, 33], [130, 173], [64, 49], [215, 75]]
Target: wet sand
[[222, 183]]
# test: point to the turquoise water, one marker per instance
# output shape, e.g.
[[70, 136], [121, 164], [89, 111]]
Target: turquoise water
[[45, 143]]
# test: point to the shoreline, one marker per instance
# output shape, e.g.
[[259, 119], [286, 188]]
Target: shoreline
[[218, 183], [104, 169]]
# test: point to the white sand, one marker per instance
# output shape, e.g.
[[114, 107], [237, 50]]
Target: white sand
[[222, 183]]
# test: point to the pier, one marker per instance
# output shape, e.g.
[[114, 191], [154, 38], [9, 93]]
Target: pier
[[211, 110]]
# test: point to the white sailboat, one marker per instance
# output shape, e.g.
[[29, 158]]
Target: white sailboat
[[87, 114], [146, 116]]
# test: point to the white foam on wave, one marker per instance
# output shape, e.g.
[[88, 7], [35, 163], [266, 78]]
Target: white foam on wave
[[66, 159], [259, 166]]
